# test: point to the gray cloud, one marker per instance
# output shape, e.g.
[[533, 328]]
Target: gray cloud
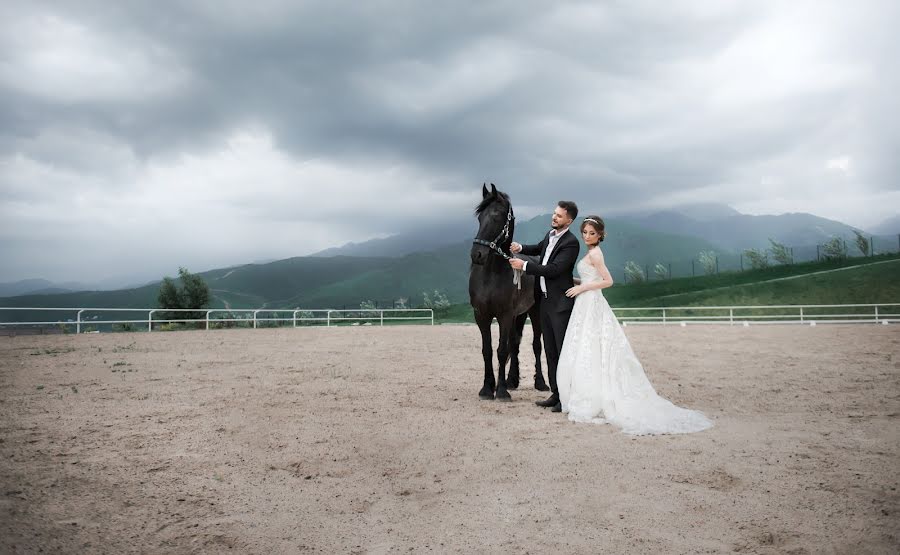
[[210, 133]]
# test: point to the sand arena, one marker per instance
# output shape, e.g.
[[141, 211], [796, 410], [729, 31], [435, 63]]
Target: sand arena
[[373, 440]]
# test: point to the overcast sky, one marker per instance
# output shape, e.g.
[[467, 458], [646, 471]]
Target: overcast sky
[[136, 137]]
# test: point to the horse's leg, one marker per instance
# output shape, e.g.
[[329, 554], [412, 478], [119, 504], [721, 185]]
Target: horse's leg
[[512, 381], [507, 323], [484, 325], [534, 314]]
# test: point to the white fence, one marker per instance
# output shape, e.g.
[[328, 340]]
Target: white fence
[[764, 314], [882, 313], [327, 317]]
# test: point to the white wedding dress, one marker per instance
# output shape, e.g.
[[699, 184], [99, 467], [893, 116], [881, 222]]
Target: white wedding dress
[[600, 379]]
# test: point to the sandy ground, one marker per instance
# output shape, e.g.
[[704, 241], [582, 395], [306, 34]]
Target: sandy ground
[[374, 440]]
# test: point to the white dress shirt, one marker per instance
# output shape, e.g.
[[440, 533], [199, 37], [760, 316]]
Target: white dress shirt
[[555, 234]]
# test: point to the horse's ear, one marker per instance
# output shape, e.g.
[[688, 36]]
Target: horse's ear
[[484, 192], [493, 189]]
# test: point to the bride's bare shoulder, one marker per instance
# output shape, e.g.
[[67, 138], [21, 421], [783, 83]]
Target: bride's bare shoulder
[[595, 254]]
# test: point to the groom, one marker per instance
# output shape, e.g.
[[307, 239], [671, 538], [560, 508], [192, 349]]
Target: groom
[[558, 252]]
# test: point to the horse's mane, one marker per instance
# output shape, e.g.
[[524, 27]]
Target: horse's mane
[[488, 200]]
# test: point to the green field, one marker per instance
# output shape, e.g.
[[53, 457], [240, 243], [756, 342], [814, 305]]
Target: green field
[[856, 281]]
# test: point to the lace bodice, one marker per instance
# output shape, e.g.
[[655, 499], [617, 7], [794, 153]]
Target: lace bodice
[[587, 271]]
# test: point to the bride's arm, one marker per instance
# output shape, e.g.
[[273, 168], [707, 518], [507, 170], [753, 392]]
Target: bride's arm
[[595, 256]]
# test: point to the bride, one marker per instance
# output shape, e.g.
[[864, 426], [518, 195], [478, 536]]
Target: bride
[[599, 377]]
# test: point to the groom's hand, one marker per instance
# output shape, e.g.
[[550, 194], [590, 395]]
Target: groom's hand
[[517, 263], [515, 248]]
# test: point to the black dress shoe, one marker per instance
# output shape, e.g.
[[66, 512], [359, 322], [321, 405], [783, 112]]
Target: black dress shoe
[[556, 408], [548, 402]]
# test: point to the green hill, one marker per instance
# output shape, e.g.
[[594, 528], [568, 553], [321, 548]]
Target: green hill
[[851, 281], [346, 281]]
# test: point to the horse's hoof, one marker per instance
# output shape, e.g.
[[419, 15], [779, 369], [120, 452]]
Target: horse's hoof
[[504, 396], [512, 383], [486, 394]]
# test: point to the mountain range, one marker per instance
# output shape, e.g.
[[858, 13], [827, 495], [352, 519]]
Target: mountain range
[[412, 263]]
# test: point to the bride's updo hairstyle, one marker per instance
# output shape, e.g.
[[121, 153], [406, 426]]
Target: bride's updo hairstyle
[[595, 222]]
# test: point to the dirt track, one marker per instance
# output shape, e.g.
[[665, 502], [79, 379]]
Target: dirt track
[[374, 440]]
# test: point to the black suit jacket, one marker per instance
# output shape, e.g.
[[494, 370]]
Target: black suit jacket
[[557, 272]]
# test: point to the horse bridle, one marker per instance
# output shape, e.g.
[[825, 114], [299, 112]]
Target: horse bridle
[[500, 239]]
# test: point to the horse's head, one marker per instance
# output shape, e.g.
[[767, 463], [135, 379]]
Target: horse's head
[[495, 225]]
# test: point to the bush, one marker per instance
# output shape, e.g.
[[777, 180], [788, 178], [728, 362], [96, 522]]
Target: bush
[[835, 249], [708, 262], [862, 243], [660, 271], [780, 253], [633, 272], [437, 301], [758, 258]]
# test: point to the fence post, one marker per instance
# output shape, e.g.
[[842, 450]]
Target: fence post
[[328, 320], [801, 313], [382, 317], [731, 316], [207, 318], [432, 317], [664, 315], [295, 318], [254, 318], [876, 313], [150, 320], [78, 321]]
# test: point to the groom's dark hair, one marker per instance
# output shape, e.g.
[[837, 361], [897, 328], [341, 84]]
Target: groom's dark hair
[[570, 207]]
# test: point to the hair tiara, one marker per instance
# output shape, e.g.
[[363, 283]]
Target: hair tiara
[[592, 220]]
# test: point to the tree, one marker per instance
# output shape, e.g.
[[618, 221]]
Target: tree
[[661, 271], [169, 297], [436, 300], [758, 258], [193, 293], [835, 249], [633, 272], [708, 261], [862, 243], [780, 253], [194, 290], [367, 309]]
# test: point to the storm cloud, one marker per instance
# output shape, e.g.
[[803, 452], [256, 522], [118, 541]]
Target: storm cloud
[[139, 136]]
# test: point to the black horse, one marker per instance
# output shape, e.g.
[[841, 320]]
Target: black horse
[[493, 294]]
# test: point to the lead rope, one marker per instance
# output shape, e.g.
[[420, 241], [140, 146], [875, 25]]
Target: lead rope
[[517, 278]]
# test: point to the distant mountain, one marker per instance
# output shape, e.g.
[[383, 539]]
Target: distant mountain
[[407, 242], [705, 212], [742, 231], [720, 226], [35, 287], [412, 263], [890, 226]]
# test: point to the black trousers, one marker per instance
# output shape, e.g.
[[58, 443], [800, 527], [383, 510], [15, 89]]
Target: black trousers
[[553, 330]]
